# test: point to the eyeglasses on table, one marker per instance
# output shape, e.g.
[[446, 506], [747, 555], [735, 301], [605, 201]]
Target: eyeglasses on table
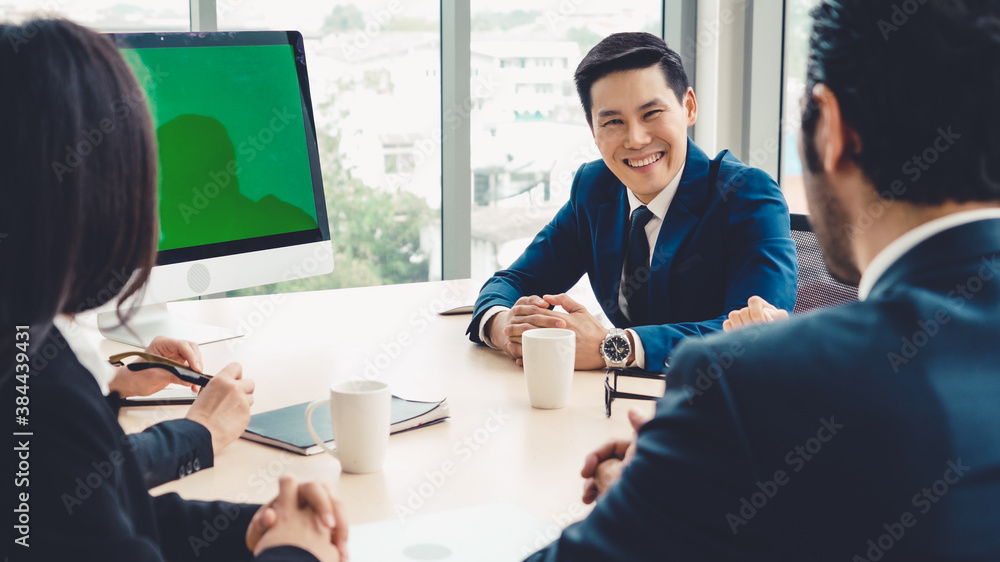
[[611, 386], [151, 361]]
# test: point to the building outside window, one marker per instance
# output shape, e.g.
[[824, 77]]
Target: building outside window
[[374, 72], [529, 133]]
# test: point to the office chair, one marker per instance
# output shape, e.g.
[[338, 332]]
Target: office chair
[[816, 288]]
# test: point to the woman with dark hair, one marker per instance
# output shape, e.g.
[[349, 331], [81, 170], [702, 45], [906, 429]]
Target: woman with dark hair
[[77, 212]]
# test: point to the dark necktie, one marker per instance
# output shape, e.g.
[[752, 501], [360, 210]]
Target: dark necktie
[[636, 286]]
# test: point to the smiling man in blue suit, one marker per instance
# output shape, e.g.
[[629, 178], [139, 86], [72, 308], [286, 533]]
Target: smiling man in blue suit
[[671, 240]]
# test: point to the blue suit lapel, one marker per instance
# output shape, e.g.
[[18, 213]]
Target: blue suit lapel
[[610, 242], [683, 215]]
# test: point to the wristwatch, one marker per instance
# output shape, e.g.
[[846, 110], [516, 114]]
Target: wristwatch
[[615, 349]]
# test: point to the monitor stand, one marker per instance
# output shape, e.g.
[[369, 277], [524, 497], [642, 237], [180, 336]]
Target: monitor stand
[[153, 320]]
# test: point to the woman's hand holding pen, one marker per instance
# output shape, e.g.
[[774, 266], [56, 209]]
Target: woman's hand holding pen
[[143, 383]]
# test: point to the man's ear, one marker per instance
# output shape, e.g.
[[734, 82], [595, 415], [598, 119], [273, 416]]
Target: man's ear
[[691, 106], [836, 141]]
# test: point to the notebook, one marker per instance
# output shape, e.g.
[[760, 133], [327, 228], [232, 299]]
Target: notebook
[[173, 395], [499, 532], [286, 427]]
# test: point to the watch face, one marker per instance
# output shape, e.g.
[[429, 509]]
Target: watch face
[[616, 348]]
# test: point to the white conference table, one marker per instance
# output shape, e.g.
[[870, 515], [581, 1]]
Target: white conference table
[[494, 448]]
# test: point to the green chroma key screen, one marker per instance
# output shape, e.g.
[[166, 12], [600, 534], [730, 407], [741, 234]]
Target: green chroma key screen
[[233, 156]]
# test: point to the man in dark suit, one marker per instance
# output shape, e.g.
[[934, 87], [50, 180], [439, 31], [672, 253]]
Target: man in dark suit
[[869, 431], [671, 240]]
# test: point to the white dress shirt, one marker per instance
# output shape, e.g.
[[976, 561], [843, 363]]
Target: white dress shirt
[[658, 206], [895, 250]]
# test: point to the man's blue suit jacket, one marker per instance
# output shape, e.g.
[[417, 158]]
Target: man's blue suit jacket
[[719, 245], [865, 432]]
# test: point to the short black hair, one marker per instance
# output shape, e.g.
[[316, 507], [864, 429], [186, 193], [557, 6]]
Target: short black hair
[[919, 81], [78, 176], [628, 51]]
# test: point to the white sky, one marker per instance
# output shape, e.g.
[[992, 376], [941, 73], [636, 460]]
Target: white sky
[[299, 14]]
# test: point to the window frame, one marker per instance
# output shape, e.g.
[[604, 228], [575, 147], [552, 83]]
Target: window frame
[[679, 28]]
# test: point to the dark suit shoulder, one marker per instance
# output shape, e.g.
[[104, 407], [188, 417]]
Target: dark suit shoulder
[[826, 356], [789, 345], [884, 387]]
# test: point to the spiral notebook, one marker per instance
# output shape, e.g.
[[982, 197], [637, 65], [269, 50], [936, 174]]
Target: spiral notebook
[[286, 427]]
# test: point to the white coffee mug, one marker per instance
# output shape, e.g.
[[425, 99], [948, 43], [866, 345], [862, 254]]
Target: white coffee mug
[[360, 412], [549, 359]]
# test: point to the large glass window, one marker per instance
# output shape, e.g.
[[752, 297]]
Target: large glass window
[[798, 24], [374, 74], [375, 78], [529, 134], [107, 15]]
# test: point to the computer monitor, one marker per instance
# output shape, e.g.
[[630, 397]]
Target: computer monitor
[[241, 193]]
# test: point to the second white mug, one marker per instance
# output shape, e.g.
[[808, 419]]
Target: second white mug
[[549, 356]]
